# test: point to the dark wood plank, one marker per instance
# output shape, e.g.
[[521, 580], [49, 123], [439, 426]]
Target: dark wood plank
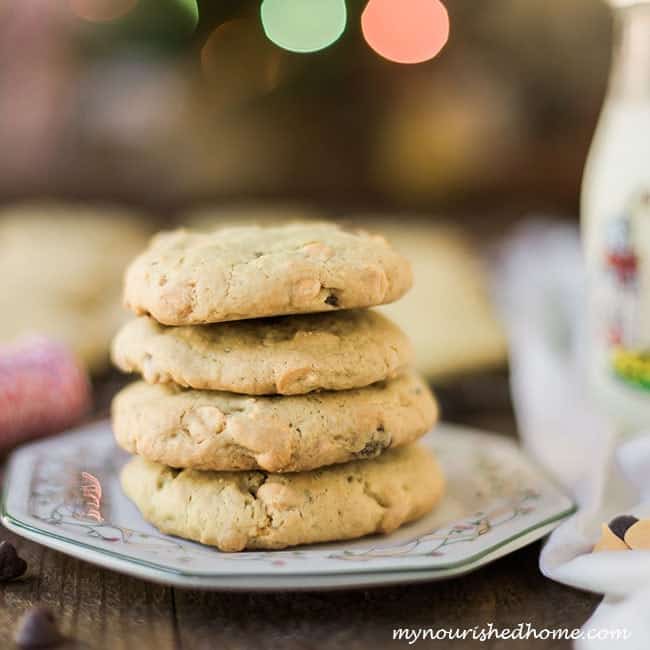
[[101, 609], [505, 593], [96, 608]]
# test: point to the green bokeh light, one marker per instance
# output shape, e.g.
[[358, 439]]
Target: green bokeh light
[[303, 25], [160, 25], [164, 19]]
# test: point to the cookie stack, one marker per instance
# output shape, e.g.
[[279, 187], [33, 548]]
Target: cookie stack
[[274, 410]]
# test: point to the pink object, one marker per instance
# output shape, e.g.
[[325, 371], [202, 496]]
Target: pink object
[[43, 390], [405, 31]]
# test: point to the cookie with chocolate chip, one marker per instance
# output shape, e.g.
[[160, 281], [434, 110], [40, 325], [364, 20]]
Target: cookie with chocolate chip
[[254, 510], [623, 533], [192, 278], [215, 430], [287, 355]]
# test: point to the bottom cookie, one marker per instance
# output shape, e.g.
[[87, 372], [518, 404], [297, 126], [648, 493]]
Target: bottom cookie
[[256, 510]]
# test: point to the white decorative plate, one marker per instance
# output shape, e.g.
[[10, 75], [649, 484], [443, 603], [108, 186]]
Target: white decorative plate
[[64, 493]]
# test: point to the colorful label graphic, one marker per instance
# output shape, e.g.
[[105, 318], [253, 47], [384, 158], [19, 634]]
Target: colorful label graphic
[[627, 313]]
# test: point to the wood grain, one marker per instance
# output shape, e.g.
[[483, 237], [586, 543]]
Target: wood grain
[[104, 610]]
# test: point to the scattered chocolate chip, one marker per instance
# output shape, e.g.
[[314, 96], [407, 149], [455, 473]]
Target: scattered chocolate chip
[[620, 524], [332, 300], [11, 566], [38, 629]]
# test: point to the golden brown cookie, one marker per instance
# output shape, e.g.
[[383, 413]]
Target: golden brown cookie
[[191, 278], [448, 315], [224, 431], [609, 541], [286, 355], [62, 268], [254, 510], [637, 536]]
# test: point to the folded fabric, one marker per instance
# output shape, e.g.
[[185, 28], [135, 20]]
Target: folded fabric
[[542, 300]]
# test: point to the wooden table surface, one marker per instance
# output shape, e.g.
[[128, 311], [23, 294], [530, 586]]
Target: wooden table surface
[[102, 609]]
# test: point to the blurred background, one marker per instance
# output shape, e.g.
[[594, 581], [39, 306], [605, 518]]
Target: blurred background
[[168, 104], [174, 111]]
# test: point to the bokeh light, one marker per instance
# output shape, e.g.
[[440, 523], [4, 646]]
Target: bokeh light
[[239, 63], [159, 23], [405, 31], [303, 25], [101, 11]]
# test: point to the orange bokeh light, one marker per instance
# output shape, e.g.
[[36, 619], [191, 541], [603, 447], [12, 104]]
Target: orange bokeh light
[[101, 11], [405, 31], [239, 62]]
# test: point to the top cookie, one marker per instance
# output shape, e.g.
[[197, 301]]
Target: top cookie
[[187, 278]]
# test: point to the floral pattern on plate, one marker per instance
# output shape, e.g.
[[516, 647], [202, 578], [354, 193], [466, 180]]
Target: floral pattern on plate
[[64, 492]]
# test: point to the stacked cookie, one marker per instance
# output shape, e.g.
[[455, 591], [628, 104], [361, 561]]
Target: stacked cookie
[[274, 410]]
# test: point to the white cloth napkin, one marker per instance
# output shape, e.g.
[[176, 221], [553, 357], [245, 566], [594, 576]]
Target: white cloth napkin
[[540, 289]]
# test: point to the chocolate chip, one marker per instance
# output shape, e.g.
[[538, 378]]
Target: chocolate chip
[[332, 300], [371, 449], [11, 566], [38, 629], [620, 524]]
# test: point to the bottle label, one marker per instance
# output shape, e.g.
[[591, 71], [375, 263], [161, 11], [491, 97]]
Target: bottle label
[[626, 308]]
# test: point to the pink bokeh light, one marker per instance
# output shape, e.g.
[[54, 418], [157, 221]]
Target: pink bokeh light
[[408, 31]]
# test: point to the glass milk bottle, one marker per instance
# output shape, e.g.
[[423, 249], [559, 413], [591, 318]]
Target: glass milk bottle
[[616, 229]]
